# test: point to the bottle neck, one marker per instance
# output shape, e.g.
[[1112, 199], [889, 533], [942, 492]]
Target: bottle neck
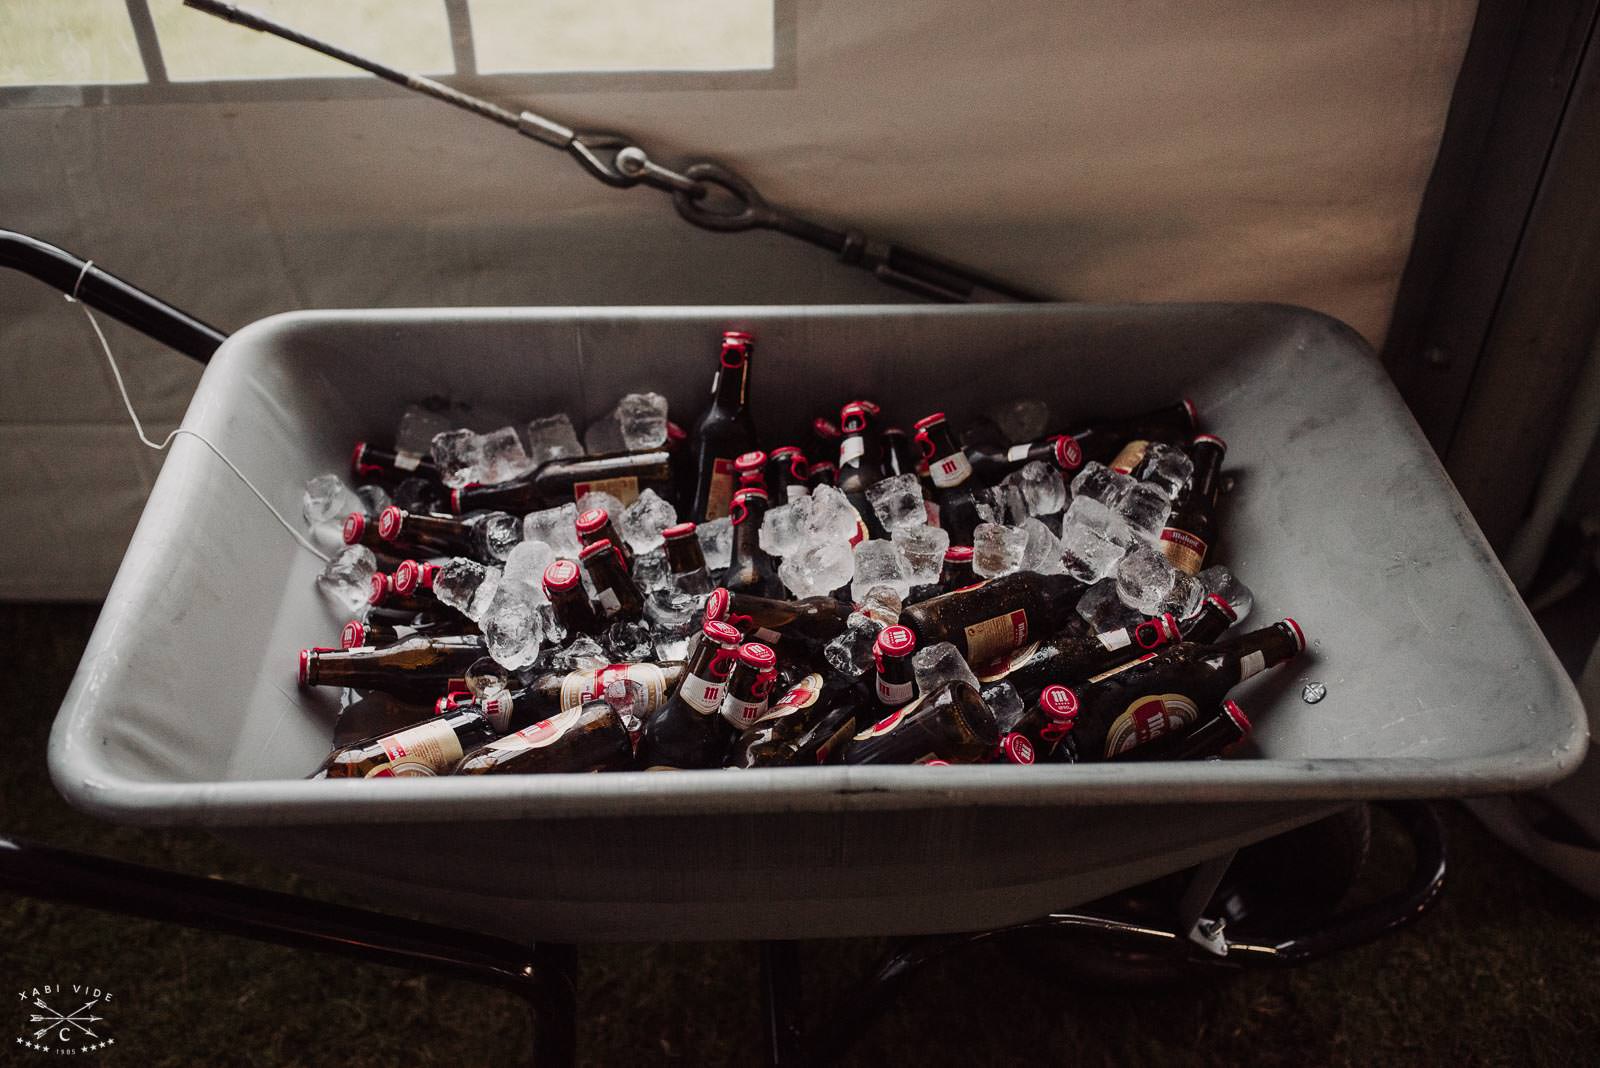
[[1262, 649], [1207, 477], [685, 556], [730, 388]]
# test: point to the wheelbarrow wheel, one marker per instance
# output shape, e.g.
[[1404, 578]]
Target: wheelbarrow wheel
[[1274, 887]]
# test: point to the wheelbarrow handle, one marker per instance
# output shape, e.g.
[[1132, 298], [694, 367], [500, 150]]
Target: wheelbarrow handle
[[106, 292]]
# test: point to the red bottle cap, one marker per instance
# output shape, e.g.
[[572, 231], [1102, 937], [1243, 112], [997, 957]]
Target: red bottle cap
[[761, 657], [958, 554], [560, 575], [1016, 748], [784, 452], [1210, 439], [936, 763], [1154, 633], [1232, 710], [353, 636], [426, 574], [824, 429], [717, 606], [390, 522], [407, 577], [378, 587], [721, 633], [1194, 413], [895, 641], [675, 434], [1222, 603], [735, 348], [598, 548], [1299, 635], [751, 461], [591, 521], [928, 421], [305, 667], [1069, 454], [853, 416], [1059, 702], [681, 530], [358, 454], [354, 525]]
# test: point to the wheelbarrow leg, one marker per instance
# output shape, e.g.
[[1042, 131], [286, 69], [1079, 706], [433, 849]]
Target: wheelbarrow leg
[[554, 1001], [780, 1003]]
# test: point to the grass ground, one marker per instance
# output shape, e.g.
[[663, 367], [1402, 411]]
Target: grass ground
[[1504, 971]]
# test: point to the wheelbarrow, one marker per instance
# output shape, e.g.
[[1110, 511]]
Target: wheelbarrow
[[1438, 683]]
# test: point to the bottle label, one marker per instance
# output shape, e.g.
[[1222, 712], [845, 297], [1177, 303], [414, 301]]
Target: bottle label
[[851, 449], [794, 492], [1002, 666], [407, 461], [704, 695], [931, 509], [430, 748], [720, 495], [581, 686], [845, 730], [1186, 552], [1017, 452], [1120, 668], [1148, 718], [609, 603], [890, 722], [952, 470], [1252, 664], [1115, 639], [541, 734], [802, 694], [895, 693], [1131, 456], [996, 636], [624, 488], [742, 713]]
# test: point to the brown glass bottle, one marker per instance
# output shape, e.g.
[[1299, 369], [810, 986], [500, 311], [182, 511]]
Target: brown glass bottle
[[895, 682], [951, 724], [375, 715], [952, 477], [359, 632], [787, 472], [591, 737], [1191, 529], [432, 747], [488, 537], [813, 620], [624, 475], [1216, 615], [725, 430], [1163, 693], [799, 724], [900, 454], [615, 592], [1208, 737], [861, 460], [987, 621], [1071, 655], [359, 530], [957, 573], [750, 569], [750, 469], [1103, 439], [552, 694], [686, 560], [688, 731], [417, 667], [755, 675], [596, 525], [569, 601], [993, 462], [822, 473], [368, 461], [1048, 718], [383, 594]]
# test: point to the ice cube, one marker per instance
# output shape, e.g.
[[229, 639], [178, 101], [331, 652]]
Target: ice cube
[[1167, 466], [1183, 600], [923, 548], [327, 500], [938, 665], [879, 563], [818, 567], [483, 596], [604, 436], [1093, 539], [556, 527], [502, 457], [484, 677], [413, 439], [643, 420], [832, 517], [672, 614], [1144, 578], [1042, 552], [882, 605], [1006, 704], [1044, 491], [898, 501], [582, 653], [1103, 610], [1145, 508], [525, 566], [997, 550], [1009, 501], [459, 456], [374, 499], [502, 532], [628, 642], [783, 527], [1224, 583], [650, 571], [513, 628], [1098, 481], [600, 499], [642, 522], [457, 582], [849, 654], [716, 542], [1021, 420], [347, 578], [552, 438]]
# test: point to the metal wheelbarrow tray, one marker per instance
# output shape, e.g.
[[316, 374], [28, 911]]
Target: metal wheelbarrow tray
[[185, 709]]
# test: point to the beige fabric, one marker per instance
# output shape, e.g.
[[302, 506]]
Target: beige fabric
[[1226, 151]]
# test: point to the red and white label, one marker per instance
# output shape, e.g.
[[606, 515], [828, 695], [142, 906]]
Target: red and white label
[[851, 449], [742, 713], [430, 748], [581, 686], [999, 668], [720, 494], [895, 693], [545, 732], [996, 636], [1149, 718], [952, 470], [1184, 550], [704, 695]]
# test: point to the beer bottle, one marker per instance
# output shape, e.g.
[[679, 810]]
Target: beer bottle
[[750, 569], [951, 724], [359, 530], [359, 632], [896, 683], [384, 594], [900, 455], [824, 437], [591, 737], [989, 620], [750, 686], [724, 431], [1129, 457], [1192, 527], [951, 473], [569, 601], [432, 747], [957, 573], [370, 462], [1072, 656], [787, 472], [414, 579], [814, 620], [687, 731], [822, 473], [686, 560], [377, 714], [1216, 615], [750, 469], [624, 475], [595, 525], [488, 537], [1047, 720], [800, 723], [1103, 439], [1162, 693], [1208, 737], [991, 463], [551, 694], [416, 667], [860, 460], [614, 589]]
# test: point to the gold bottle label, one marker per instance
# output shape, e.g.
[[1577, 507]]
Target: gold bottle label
[[581, 686], [721, 492], [1130, 457], [430, 748], [1185, 551], [1148, 718], [624, 488], [996, 636], [1120, 668]]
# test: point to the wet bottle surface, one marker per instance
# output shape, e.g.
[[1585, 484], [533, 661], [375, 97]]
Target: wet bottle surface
[[369, 461], [432, 747], [957, 573], [951, 724], [488, 536], [686, 559], [1216, 615], [952, 476], [724, 431], [378, 714], [591, 737], [569, 601], [1191, 529], [359, 632], [417, 667], [688, 731], [750, 569], [552, 694], [615, 592], [988, 621], [770, 619], [595, 525], [991, 463], [1102, 439], [1071, 656], [623, 475], [860, 461], [1206, 738], [800, 723]]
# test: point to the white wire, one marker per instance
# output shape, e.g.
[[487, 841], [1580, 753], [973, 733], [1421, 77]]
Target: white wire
[[127, 402]]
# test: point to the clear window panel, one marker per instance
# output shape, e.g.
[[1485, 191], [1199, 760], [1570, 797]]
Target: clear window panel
[[621, 35], [413, 35], [67, 42]]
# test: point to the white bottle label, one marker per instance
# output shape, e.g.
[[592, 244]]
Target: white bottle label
[[430, 748], [1115, 639], [608, 601], [895, 693], [742, 713], [702, 694], [852, 448], [950, 470], [1017, 452], [407, 461], [1252, 664]]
